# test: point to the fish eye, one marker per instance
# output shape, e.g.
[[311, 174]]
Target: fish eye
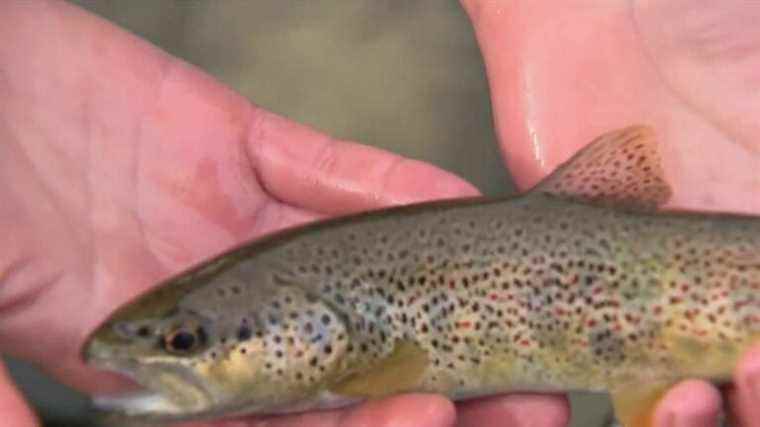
[[183, 340]]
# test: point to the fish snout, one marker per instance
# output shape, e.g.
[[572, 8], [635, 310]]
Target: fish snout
[[96, 349]]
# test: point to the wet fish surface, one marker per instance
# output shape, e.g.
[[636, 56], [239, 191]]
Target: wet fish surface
[[580, 284]]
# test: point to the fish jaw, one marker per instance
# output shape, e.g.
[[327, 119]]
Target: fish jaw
[[156, 405], [136, 404], [168, 392]]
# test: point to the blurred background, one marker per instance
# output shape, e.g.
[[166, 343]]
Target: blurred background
[[406, 76]]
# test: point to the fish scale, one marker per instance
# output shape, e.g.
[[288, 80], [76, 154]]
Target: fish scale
[[578, 285]]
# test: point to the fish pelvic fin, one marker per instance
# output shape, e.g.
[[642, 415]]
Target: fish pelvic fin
[[635, 404], [619, 168], [400, 371]]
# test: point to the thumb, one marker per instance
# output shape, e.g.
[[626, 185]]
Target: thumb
[[13, 408]]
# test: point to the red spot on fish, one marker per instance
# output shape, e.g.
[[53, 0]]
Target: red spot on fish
[[591, 323], [657, 310], [465, 324], [524, 343], [494, 297], [739, 304], [452, 284]]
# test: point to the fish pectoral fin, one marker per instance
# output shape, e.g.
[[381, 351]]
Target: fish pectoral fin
[[635, 403], [619, 168], [398, 372]]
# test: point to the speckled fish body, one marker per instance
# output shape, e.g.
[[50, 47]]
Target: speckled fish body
[[574, 286]]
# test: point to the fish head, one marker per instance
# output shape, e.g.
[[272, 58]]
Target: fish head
[[158, 350], [200, 355]]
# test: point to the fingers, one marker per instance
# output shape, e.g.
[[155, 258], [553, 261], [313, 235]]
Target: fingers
[[745, 395], [414, 410], [13, 408], [417, 410], [515, 411], [697, 403], [691, 403], [305, 168], [402, 411]]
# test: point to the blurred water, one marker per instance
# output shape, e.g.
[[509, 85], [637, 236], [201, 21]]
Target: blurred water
[[405, 76]]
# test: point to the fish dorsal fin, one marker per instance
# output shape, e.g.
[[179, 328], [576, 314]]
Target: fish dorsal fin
[[400, 371], [619, 168]]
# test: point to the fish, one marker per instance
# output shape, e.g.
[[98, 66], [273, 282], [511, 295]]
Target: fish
[[586, 282]]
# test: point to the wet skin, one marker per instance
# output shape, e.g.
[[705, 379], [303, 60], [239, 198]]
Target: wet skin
[[77, 219]]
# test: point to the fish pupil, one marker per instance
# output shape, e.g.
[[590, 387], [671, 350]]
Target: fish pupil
[[182, 341]]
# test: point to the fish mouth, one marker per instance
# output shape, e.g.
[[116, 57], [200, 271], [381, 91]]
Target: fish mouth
[[135, 404], [145, 401], [167, 393]]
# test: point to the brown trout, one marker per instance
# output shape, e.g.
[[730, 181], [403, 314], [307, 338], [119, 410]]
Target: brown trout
[[577, 285]]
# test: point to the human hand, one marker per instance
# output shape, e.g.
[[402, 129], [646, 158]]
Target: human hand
[[121, 165], [562, 73]]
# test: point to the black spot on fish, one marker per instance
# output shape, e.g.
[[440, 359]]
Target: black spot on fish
[[244, 333]]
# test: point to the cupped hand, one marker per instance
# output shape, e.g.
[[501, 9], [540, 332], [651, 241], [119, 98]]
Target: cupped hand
[[562, 73], [121, 165]]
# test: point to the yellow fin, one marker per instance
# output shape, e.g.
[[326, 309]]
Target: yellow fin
[[400, 371], [621, 168], [635, 403]]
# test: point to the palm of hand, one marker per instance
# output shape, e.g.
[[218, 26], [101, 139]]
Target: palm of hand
[[576, 70], [135, 165], [179, 177], [118, 200]]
